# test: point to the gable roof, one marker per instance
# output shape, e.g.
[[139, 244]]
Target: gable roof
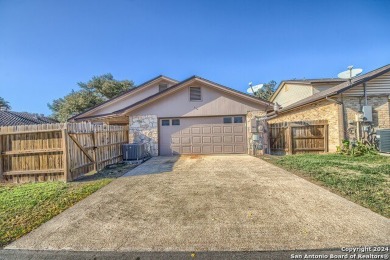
[[339, 88], [124, 94], [11, 118], [306, 82], [178, 86]]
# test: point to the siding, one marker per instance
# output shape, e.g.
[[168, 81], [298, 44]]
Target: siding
[[294, 93], [214, 103], [321, 87], [374, 87], [131, 99]]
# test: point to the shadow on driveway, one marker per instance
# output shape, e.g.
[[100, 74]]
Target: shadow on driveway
[[155, 165]]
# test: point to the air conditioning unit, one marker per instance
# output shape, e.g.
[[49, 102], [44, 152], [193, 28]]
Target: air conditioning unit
[[384, 140], [135, 151]]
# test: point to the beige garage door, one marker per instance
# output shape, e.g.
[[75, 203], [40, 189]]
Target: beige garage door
[[206, 135]]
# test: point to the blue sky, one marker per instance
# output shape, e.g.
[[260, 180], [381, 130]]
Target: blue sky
[[46, 47]]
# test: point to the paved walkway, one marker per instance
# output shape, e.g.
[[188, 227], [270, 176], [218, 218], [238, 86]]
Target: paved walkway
[[234, 202]]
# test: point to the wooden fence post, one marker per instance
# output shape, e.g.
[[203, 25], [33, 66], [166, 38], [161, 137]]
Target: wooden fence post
[[290, 139], [65, 155], [1, 158], [94, 150]]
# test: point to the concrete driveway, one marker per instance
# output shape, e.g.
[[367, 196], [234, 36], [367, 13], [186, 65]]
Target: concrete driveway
[[234, 202]]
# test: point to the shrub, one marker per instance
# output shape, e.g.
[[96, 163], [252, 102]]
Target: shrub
[[355, 148]]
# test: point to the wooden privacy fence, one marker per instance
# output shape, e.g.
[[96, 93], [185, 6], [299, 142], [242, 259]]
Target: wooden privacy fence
[[299, 137], [58, 151]]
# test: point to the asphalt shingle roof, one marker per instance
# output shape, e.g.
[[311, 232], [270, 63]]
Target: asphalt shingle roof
[[11, 118]]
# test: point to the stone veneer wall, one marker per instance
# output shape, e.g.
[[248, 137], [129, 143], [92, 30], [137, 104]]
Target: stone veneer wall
[[251, 115], [322, 110], [380, 111], [144, 128]]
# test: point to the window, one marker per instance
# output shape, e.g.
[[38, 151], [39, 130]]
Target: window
[[195, 94], [165, 122], [227, 120], [162, 87], [175, 121], [238, 119]]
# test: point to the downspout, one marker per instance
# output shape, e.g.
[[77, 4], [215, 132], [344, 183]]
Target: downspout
[[365, 94], [359, 130]]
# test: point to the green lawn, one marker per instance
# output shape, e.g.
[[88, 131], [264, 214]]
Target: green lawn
[[364, 180], [23, 207]]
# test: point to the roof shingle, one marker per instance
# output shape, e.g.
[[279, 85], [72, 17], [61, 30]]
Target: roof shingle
[[11, 118]]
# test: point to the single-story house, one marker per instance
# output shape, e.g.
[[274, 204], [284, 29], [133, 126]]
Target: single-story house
[[342, 105], [193, 116], [12, 118]]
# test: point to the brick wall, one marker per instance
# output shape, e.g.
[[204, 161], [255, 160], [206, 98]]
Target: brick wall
[[322, 110], [380, 112]]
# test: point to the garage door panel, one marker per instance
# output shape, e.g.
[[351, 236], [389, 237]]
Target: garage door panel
[[195, 130], [175, 140], [186, 131], [217, 139], [196, 149], [217, 129], [238, 139], [227, 129], [238, 129], [206, 139], [207, 149], [218, 149], [175, 150], [186, 149], [239, 149], [206, 129], [196, 140], [186, 140], [228, 139], [207, 135], [228, 148]]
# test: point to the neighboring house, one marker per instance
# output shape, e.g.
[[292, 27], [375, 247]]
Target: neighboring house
[[291, 91], [11, 118], [194, 116], [342, 105]]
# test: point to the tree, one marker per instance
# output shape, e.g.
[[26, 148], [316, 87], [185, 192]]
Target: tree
[[106, 86], [92, 93], [4, 105], [266, 91]]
